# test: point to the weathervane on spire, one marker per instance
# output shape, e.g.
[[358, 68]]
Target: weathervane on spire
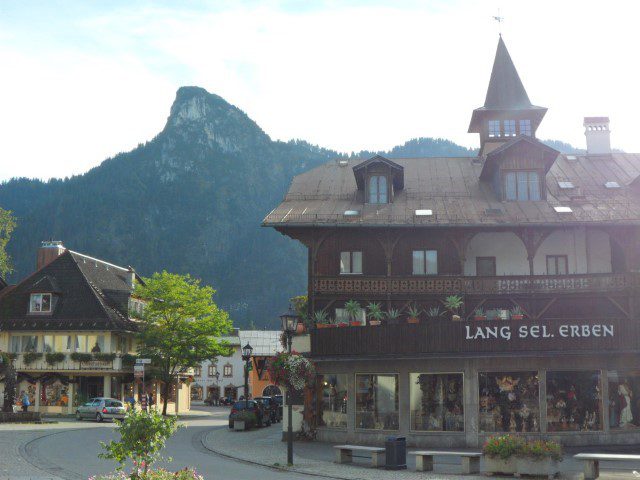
[[499, 19]]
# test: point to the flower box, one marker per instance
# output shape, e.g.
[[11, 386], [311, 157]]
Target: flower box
[[479, 317], [495, 465], [355, 324], [239, 425], [547, 467], [412, 320], [343, 324], [517, 317]]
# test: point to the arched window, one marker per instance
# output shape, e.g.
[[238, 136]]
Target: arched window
[[378, 189]]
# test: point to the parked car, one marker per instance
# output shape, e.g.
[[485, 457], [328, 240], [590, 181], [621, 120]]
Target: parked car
[[249, 406], [227, 401], [100, 409], [271, 407], [278, 401]]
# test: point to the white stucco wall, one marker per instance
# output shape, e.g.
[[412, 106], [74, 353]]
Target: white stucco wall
[[237, 378], [511, 256]]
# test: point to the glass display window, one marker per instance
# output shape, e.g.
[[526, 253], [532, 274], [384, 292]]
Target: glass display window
[[624, 399], [332, 400], [54, 394], [377, 402], [574, 402], [437, 403], [509, 402]]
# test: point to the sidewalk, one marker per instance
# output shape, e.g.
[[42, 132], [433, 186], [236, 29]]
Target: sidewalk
[[264, 447]]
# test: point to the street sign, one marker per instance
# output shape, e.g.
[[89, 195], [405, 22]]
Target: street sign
[[138, 368], [143, 361]]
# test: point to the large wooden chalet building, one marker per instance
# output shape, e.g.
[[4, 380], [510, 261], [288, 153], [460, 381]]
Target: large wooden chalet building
[[542, 248]]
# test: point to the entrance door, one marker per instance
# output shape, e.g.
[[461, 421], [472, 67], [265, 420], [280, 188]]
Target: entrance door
[[213, 393], [90, 387]]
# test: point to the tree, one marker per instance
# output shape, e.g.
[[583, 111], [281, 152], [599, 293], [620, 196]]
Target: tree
[[7, 224], [180, 327], [142, 436], [10, 383]]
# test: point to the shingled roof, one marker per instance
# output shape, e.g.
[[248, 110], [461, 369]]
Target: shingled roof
[[452, 190], [89, 294]]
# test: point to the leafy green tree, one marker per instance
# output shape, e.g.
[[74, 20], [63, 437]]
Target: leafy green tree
[[142, 436], [7, 224], [180, 326], [10, 383]]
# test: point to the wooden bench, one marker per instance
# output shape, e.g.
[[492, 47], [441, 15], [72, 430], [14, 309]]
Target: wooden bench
[[344, 454], [424, 460], [592, 462]]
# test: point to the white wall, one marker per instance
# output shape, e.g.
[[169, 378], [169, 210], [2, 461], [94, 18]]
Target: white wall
[[511, 256], [237, 379]]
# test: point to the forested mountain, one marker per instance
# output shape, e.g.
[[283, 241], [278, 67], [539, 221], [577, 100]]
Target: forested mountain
[[189, 201]]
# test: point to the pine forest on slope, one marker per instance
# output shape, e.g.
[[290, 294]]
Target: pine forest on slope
[[189, 201]]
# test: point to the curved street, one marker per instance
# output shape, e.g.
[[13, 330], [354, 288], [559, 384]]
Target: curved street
[[69, 450]]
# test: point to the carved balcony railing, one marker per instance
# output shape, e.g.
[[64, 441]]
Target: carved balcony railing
[[449, 285]]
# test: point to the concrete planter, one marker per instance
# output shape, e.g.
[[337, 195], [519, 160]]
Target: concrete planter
[[534, 466], [498, 465], [239, 425]]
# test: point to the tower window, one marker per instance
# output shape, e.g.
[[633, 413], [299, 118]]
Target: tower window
[[509, 128], [522, 186], [378, 189], [525, 127], [350, 262], [494, 128]]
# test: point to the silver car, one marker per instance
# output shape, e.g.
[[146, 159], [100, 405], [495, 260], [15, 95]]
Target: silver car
[[100, 409]]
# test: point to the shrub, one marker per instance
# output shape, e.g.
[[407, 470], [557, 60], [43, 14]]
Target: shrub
[[161, 474], [104, 357], [128, 360], [54, 358], [503, 446], [540, 449], [31, 357], [81, 357]]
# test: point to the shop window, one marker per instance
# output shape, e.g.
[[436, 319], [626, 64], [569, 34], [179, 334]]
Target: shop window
[[436, 402], [486, 266], [522, 186], [509, 128], [509, 402], [377, 189], [54, 394], [377, 402], [40, 303], [557, 265], [116, 387], [624, 403], [574, 402], [332, 401], [525, 127], [425, 262], [350, 263]]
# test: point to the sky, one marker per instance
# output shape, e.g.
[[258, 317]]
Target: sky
[[84, 80]]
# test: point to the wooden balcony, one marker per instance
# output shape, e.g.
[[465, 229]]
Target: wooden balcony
[[40, 364], [477, 338], [461, 285]]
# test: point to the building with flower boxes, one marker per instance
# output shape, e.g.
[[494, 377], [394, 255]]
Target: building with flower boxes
[[498, 293]]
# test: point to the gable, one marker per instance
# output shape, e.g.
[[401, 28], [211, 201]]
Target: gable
[[521, 153], [379, 164]]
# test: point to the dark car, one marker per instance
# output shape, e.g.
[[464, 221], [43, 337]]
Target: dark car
[[271, 407], [263, 419], [278, 401]]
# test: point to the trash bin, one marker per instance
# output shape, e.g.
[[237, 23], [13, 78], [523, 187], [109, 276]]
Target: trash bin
[[396, 453]]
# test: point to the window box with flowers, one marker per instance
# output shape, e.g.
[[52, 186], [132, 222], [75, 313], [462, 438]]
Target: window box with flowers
[[510, 454]]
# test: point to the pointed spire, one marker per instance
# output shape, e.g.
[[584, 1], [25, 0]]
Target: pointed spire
[[505, 87]]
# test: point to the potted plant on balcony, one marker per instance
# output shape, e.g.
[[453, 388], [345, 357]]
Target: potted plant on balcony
[[353, 310], [81, 357], [320, 318], [375, 313], [478, 314], [434, 312], [492, 314], [539, 457], [500, 454], [517, 313], [30, 357], [393, 315], [413, 314], [453, 303], [53, 358]]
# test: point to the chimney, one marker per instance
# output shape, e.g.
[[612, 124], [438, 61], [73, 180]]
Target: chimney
[[596, 129], [48, 252]]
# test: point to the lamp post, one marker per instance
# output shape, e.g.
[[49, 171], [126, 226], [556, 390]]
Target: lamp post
[[246, 356], [289, 325], [218, 388]]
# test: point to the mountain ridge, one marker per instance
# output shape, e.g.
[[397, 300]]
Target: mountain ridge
[[190, 200]]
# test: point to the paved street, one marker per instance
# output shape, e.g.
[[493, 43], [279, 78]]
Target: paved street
[[69, 450]]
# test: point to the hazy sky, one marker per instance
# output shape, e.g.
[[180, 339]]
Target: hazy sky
[[84, 80]]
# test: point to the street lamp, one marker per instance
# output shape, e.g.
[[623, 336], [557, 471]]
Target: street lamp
[[217, 387], [289, 325], [246, 356]]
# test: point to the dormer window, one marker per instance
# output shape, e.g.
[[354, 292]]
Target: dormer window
[[525, 127], [509, 128], [522, 185], [378, 192], [494, 128], [40, 303]]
